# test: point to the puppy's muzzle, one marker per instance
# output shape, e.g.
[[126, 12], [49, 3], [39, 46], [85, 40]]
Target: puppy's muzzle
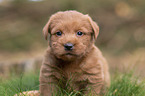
[[68, 46]]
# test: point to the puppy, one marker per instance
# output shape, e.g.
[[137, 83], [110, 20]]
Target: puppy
[[72, 56]]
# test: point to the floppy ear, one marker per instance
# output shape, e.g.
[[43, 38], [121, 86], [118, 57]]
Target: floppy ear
[[95, 27], [46, 29]]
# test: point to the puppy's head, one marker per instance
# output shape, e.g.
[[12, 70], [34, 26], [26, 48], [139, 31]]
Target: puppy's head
[[71, 34]]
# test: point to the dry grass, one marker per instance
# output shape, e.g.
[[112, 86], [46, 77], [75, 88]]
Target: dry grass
[[128, 61]]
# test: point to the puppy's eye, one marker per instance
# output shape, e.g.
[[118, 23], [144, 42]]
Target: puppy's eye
[[79, 33], [58, 33]]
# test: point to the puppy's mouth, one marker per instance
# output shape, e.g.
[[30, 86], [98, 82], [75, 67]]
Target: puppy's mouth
[[70, 54]]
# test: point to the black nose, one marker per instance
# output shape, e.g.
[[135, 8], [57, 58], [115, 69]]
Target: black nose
[[68, 46]]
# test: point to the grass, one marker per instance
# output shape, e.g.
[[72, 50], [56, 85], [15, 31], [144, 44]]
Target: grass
[[19, 84], [122, 85], [126, 85]]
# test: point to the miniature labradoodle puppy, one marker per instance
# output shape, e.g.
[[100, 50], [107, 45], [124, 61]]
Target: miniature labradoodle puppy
[[72, 61]]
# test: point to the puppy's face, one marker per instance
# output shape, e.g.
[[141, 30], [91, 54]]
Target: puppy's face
[[71, 34]]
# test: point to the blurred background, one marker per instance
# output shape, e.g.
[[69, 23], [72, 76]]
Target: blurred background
[[121, 39]]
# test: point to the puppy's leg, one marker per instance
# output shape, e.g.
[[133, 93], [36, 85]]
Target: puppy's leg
[[95, 86], [95, 77], [46, 88]]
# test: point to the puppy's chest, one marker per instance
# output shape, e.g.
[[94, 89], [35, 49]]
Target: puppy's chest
[[71, 68]]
